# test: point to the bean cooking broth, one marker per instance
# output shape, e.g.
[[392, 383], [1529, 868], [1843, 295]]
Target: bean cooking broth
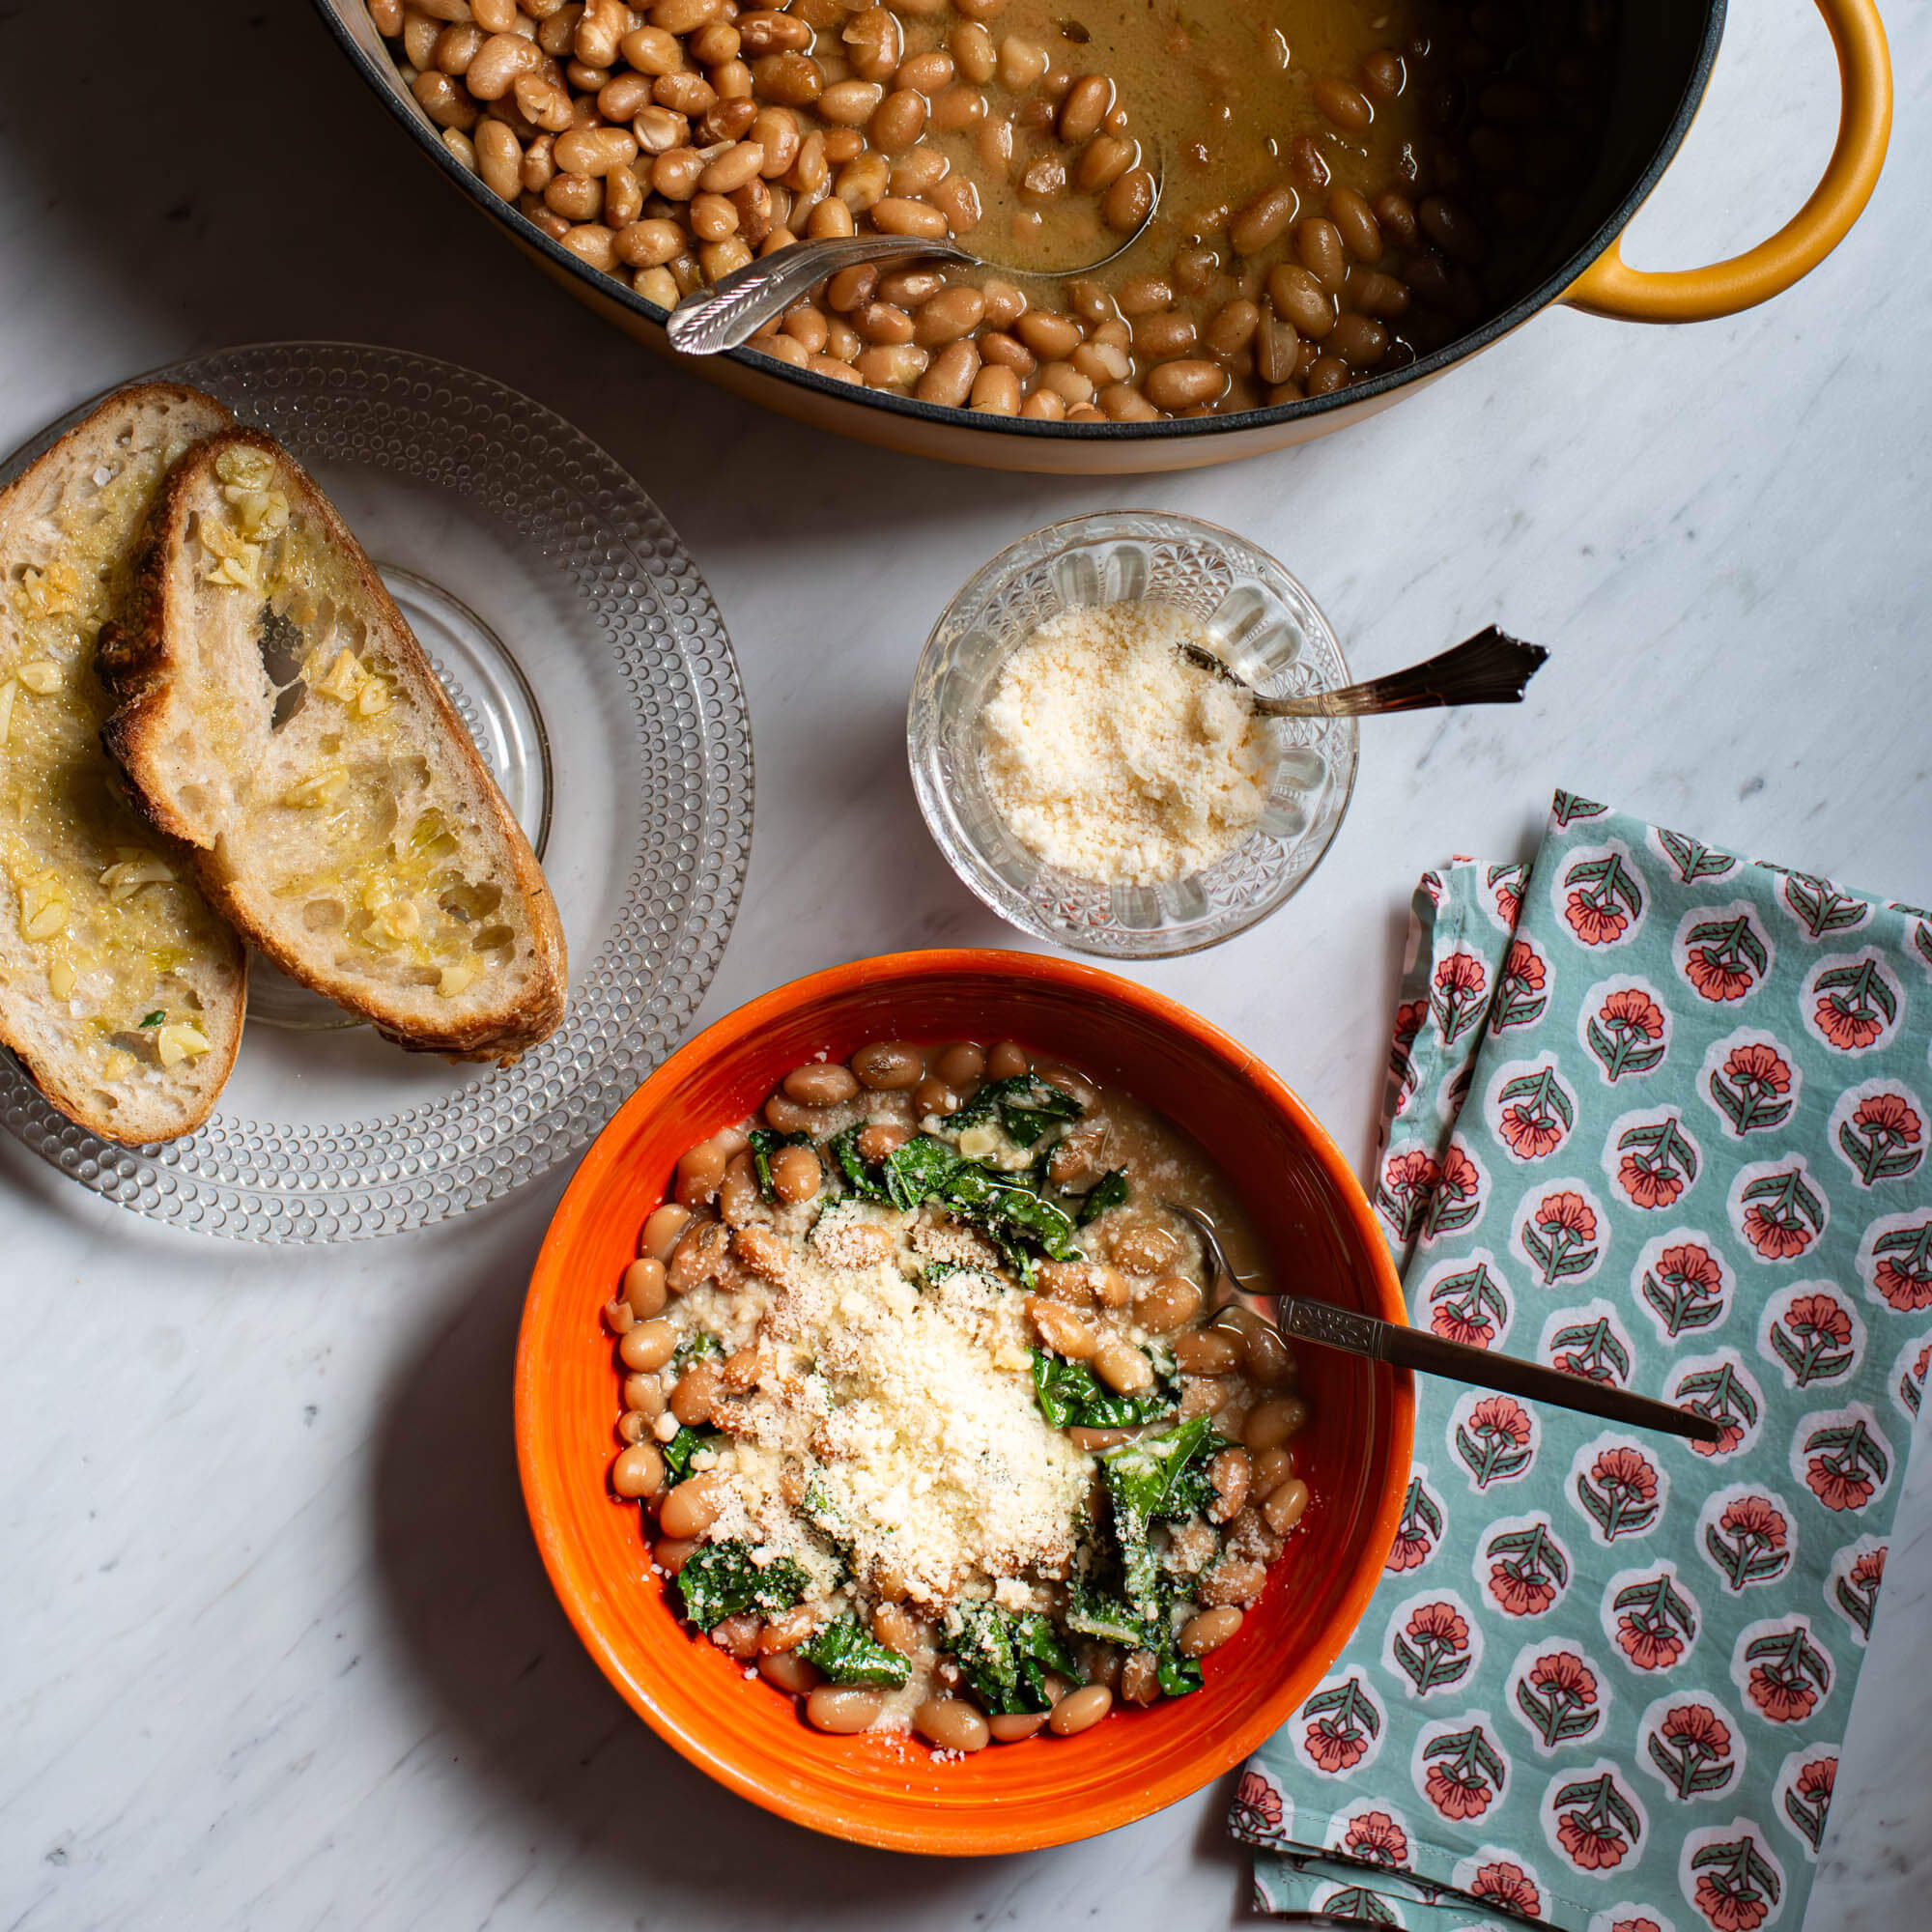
[[1344, 184]]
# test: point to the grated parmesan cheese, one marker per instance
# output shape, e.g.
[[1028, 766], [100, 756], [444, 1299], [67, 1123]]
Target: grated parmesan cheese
[[1111, 757], [911, 1404]]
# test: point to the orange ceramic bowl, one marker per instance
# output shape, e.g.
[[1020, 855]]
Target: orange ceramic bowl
[[882, 1791]]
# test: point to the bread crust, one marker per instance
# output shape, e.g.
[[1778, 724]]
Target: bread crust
[[143, 664], [29, 1026]]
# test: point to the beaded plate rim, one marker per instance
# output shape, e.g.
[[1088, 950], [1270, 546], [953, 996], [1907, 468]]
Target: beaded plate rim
[[634, 990]]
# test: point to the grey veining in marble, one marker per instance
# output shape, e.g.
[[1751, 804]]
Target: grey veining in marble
[[275, 1648]]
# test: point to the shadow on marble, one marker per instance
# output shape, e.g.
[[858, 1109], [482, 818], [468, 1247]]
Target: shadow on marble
[[516, 1701], [859, 862], [1213, 1846]]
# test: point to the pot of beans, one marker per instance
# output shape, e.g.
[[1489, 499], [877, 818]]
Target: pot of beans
[[1322, 206], [896, 1446]]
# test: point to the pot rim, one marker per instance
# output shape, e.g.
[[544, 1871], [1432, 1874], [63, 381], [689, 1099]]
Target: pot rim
[[939, 416]]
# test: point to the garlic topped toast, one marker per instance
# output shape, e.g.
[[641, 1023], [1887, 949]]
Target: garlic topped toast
[[277, 716], [121, 991]]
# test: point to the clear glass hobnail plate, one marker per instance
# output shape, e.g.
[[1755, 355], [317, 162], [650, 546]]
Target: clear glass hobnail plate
[[582, 647], [1269, 632]]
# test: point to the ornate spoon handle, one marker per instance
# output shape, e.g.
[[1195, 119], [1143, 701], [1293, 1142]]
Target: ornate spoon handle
[[1491, 668], [1357, 1334], [743, 301]]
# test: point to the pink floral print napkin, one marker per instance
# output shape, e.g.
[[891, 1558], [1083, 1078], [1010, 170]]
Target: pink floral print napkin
[[1657, 1114]]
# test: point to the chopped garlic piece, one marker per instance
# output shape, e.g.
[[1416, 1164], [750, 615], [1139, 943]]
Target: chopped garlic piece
[[401, 920], [55, 591], [218, 539], [248, 468], [979, 1143], [43, 676], [7, 692], [324, 788], [46, 915], [457, 977], [125, 880], [373, 698], [238, 562], [62, 978], [262, 513], [180, 1040], [343, 679]]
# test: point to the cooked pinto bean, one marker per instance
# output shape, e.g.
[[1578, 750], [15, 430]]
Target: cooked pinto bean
[[1270, 1424], [1063, 1330], [1172, 1302], [1284, 1508], [738, 1192], [1205, 1351], [786, 1671], [761, 1251], [1231, 1582], [950, 1724], [1141, 1246], [842, 1709], [737, 1637], [638, 1472], [1140, 1680], [881, 1138], [1209, 1631], [1262, 219], [692, 1507], [1080, 1710], [1122, 1366], [643, 1288], [888, 1066], [696, 1397], [796, 1175], [698, 1172], [700, 1257], [1011, 1727], [1230, 1474], [1267, 1357], [897, 1628], [648, 1346]]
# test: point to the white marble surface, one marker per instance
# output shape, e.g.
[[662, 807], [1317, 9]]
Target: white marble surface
[[276, 1649]]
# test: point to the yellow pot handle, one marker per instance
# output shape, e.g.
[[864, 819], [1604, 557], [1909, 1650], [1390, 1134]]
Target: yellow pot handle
[[1609, 286]]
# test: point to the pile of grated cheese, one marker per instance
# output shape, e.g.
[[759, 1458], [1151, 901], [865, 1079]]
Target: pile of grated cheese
[[1111, 757], [910, 1402]]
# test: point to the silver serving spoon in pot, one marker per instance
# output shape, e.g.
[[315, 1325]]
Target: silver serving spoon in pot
[[1357, 1334], [1491, 668], [737, 306]]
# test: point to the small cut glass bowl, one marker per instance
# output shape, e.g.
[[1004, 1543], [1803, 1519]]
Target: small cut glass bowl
[[1271, 635]]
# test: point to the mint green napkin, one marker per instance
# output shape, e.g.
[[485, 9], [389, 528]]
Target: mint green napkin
[[1658, 1114]]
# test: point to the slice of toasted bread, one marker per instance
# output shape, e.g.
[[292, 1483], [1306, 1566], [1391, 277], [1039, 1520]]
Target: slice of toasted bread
[[121, 991], [279, 717]]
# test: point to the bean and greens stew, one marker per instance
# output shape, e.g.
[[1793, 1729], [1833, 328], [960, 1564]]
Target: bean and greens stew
[[930, 1406]]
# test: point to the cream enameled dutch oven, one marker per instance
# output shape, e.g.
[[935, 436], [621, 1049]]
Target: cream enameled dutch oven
[[1664, 60]]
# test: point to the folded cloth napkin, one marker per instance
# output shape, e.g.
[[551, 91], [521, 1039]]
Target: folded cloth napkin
[[1658, 1114]]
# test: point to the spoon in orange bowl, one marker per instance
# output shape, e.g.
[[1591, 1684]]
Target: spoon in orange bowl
[[1353, 1333]]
